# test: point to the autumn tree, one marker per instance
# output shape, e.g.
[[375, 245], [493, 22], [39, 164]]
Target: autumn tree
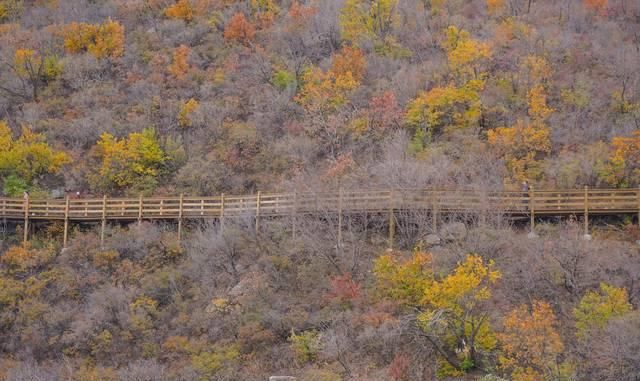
[[623, 167], [465, 54], [29, 157], [135, 161], [531, 344], [522, 147], [182, 9], [187, 108], [180, 64], [538, 109], [434, 111], [325, 91], [362, 20], [495, 6], [105, 40], [34, 69], [239, 29], [452, 308], [598, 6], [596, 308]]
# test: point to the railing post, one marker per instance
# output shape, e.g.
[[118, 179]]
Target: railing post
[[258, 212], [103, 224], [26, 219], [392, 222], [140, 210], [434, 212], [180, 217], [221, 212], [586, 211], [532, 211], [66, 223]]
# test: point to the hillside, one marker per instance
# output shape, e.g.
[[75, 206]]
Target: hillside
[[203, 97]]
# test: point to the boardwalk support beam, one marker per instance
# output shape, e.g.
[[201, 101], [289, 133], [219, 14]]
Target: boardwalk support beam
[[340, 217], [532, 213], [258, 212], [26, 220], [140, 210], [586, 235], [392, 222], [66, 222], [104, 220], [180, 217]]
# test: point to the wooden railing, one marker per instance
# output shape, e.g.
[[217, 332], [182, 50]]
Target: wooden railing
[[543, 202], [533, 203]]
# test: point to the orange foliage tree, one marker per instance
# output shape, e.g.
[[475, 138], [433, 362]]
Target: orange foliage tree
[[182, 10], [239, 29], [522, 147], [531, 344], [180, 65], [596, 5]]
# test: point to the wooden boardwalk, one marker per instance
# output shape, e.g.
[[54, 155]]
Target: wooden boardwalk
[[518, 204]]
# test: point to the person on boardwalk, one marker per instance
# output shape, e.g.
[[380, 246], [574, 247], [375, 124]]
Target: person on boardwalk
[[525, 191], [25, 195]]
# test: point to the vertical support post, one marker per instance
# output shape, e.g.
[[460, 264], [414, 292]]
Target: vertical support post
[[638, 195], [104, 220], [26, 219], [295, 213], [140, 210], [180, 217], [434, 212], [392, 220], [532, 209], [586, 210], [258, 212], [221, 212], [66, 223], [340, 217]]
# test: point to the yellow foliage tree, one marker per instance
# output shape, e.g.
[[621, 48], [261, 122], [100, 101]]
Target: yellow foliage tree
[[522, 147], [444, 107], [538, 109], [180, 65], [103, 41], [531, 344], [182, 10], [623, 168], [29, 156], [465, 55], [404, 281], [537, 69], [451, 314], [135, 161], [362, 20], [183, 116], [108, 41], [596, 308]]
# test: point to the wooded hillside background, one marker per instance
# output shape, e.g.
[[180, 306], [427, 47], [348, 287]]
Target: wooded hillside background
[[162, 97]]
